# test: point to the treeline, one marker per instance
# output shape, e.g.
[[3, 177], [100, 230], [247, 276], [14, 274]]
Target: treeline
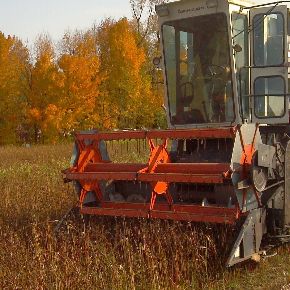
[[100, 78]]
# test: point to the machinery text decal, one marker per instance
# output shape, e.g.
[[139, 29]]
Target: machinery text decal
[[193, 9]]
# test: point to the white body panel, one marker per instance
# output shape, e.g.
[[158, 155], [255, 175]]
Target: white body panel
[[273, 71]]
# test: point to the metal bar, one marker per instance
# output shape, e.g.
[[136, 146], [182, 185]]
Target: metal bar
[[192, 168], [119, 135], [228, 132], [162, 211], [273, 185], [180, 177], [101, 175], [265, 4], [193, 133], [163, 206], [146, 177], [267, 95], [114, 167]]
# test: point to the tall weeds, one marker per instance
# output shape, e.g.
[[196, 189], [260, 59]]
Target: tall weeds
[[99, 252]]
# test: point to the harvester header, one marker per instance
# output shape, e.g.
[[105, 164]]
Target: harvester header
[[226, 153]]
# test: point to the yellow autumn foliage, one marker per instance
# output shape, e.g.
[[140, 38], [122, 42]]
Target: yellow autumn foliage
[[13, 63], [99, 78]]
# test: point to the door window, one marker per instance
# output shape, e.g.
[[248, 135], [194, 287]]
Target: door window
[[268, 39], [269, 96], [240, 37]]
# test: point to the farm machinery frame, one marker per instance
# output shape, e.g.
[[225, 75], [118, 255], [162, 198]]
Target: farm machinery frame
[[225, 157]]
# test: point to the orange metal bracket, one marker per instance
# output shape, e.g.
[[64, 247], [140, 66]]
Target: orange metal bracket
[[87, 154], [158, 155]]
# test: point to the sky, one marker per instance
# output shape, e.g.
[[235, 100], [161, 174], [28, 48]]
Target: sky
[[28, 18]]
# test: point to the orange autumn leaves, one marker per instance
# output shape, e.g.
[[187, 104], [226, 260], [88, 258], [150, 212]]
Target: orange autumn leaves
[[13, 63], [95, 79]]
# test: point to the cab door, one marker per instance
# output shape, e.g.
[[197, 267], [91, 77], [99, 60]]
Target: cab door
[[269, 65]]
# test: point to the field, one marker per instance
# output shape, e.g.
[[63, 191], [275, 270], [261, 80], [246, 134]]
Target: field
[[106, 253]]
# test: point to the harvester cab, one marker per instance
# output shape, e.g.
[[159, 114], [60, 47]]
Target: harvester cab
[[225, 157], [225, 63]]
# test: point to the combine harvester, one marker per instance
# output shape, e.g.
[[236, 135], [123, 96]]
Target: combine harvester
[[225, 157]]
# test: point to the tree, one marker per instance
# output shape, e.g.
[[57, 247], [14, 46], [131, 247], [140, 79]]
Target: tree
[[43, 91], [145, 23], [79, 66], [13, 62], [145, 19], [125, 90], [99, 78]]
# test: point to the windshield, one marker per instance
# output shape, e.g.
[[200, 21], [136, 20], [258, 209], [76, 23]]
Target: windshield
[[198, 73]]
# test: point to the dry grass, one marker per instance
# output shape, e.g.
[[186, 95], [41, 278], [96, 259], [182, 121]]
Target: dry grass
[[105, 253]]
